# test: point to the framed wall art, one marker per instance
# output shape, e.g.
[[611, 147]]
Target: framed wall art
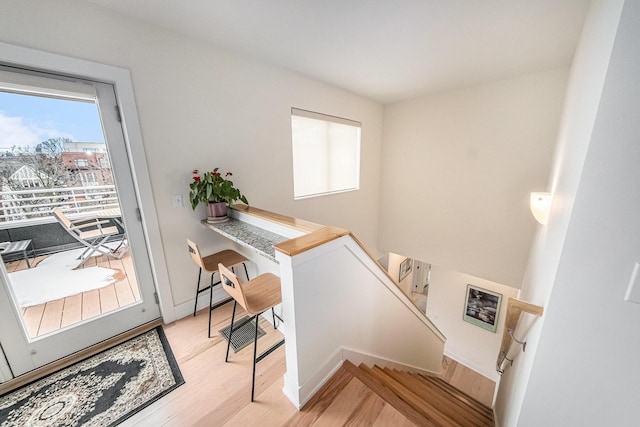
[[482, 307], [405, 268]]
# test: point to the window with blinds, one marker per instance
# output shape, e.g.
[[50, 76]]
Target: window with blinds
[[326, 154]]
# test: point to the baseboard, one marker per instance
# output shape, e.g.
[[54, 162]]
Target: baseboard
[[299, 395], [186, 308], [493, 376]]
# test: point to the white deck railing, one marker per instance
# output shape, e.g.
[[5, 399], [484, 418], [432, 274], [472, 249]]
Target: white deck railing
[[30, 206]]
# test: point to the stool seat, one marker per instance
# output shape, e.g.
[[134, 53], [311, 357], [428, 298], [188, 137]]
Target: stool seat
[[210, 264], [261, 293], [227, 257]]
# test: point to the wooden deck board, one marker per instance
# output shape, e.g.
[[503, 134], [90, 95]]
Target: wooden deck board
[[75, 308], [90, 304], [127, 263], [32, 317], [108, 299], [51, 317], [72, 311]]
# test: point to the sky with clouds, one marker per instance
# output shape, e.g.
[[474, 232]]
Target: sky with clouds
[[28, 120]]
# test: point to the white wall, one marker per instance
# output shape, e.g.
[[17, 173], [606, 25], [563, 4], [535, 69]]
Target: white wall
[[586, 369], [200, 108], [471, 345], [582, 103], [458, 169]]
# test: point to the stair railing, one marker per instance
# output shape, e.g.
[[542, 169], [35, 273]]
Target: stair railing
[[515, 308]]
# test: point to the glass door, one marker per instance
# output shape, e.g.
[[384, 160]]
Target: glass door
[[75, 269]]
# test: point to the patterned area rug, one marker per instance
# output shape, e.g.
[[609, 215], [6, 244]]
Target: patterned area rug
[[102, 390]]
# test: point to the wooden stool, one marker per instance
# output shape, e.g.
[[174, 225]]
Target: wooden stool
[[255, 296], [209, 264]]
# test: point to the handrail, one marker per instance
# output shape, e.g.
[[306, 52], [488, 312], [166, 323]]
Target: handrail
[[515, 308]]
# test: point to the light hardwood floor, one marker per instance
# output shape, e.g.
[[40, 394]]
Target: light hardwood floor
[[53, 315], [216, 393]]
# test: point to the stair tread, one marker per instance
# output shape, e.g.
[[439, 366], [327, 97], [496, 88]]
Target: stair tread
[[422, 400], [365, 374], [426, 408], [459, 394], [445, 401]]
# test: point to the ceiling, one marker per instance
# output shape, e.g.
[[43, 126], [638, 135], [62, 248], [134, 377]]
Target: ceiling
[[386, 50]]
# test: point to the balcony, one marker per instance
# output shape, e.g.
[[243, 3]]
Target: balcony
[[26, 214]]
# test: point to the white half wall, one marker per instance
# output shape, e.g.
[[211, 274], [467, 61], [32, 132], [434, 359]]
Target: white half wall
[[338, 301], [458, 169]]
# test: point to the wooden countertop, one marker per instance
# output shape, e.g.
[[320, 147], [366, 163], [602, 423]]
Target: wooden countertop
[[287, 221]]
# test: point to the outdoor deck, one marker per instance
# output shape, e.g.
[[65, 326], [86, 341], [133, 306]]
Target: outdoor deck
[[45, 318]]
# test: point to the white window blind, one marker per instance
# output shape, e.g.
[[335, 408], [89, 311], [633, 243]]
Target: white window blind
[[326, 154]]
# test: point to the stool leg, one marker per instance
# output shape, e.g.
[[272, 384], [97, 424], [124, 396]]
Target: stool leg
[[255, 349], [210, 302], [245, 270], [195, 307], [233, 316], [273, 315]]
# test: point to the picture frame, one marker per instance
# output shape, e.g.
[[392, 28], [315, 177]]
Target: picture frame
[[405, 268], [482, 307]]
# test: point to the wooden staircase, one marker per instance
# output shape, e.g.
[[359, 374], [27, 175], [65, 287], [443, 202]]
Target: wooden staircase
[[381, 396]]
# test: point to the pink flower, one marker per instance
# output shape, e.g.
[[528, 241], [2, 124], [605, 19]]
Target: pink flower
[[195, 172], [196, 178], [228, 174]]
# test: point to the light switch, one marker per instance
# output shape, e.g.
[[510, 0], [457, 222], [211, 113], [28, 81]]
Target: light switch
[[177, 201], [633, 289]]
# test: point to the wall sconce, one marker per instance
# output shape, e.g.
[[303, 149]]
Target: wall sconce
[[540, 204]]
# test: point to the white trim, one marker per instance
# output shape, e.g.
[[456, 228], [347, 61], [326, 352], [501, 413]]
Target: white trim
[[300, 395], [474, 367], [186, 308], [144, 190], [5, 370]]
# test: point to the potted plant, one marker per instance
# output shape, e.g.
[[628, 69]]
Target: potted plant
[[215, 190]]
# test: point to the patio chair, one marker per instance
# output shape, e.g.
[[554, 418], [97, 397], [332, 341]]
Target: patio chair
[[90, 231]]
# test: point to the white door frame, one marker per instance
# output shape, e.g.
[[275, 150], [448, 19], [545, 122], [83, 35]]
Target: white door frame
[[121, 79]]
